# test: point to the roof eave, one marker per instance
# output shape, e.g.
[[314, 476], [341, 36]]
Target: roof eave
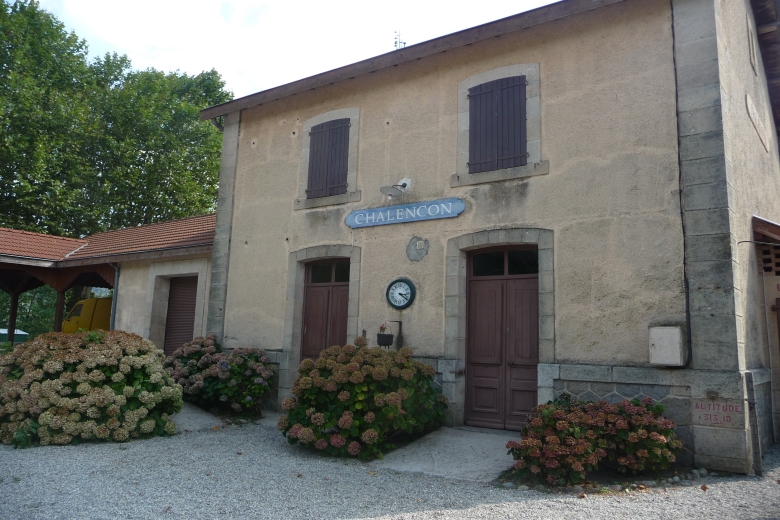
[[766, 227], [167, 252], [27, 260], [549, 13]]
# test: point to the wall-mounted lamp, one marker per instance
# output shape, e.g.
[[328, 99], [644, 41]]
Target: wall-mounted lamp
[[396, 190]]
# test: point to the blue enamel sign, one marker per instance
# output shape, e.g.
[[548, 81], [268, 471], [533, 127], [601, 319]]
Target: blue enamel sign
[[403, 213]]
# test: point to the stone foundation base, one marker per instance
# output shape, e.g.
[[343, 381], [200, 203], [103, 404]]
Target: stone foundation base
[[693, 399]]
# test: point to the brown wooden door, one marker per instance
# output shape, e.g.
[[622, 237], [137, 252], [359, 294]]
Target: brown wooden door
[[502, 343], [485, 374], [522, 349], [326, 301], [180, 321], [315, 321]]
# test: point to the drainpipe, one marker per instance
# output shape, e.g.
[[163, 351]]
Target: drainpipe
[[116, 295], [681, 184]]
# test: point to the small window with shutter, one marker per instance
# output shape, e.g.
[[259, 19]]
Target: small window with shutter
[[328, 159], [497, 125]]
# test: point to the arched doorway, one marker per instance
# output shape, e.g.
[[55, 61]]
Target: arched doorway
[[502, 345], [325, 305]]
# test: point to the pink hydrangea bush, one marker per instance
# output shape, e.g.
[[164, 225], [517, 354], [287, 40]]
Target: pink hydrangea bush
[[635, 434], [238, 380], [64, 388], [564, 440], [355, 401]]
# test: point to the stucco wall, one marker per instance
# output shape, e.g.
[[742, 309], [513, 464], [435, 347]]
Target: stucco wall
[[752, 168], [131, 308], [608, 131], [142, 303], [753, 178]]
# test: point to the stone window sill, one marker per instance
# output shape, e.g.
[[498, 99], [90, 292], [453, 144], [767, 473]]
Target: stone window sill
[[529, 170], [350, 196]]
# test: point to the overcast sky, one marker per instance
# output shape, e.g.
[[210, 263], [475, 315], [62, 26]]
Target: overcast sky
[[257, 45]]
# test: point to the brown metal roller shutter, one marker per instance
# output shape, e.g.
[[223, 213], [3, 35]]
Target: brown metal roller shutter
[[180, 323]]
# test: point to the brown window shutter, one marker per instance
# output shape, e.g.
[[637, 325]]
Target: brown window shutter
[[328, 156], [511, 142], [482, 128], [497, 125]]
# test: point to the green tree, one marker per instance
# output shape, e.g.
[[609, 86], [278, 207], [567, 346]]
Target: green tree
[[43, 83], [87, 146], [36, 311]]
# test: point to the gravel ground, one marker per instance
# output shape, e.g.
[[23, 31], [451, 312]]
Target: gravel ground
[[251, 472]]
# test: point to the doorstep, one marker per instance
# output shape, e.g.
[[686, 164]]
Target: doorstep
[[464, 453]]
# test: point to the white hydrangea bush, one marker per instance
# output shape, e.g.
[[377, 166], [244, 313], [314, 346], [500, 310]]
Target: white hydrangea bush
[[65, 388]]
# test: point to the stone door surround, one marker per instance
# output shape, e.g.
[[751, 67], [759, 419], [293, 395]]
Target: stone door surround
[[293, 311], [455, 307]]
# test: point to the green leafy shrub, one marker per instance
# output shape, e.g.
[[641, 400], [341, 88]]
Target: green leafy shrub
[[358, 401], [64, 388], [565, 439], [238, 380], [6, 347]]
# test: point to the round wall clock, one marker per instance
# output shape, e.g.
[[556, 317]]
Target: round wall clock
[[400, 293]]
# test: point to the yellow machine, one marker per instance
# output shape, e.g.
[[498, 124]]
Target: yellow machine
[[89, 314]]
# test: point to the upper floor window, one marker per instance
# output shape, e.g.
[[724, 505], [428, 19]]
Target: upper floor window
[[328, 154], [329, 158], [499, 126], [497, 132]]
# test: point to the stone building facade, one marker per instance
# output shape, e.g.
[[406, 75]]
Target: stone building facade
[[623, 214]]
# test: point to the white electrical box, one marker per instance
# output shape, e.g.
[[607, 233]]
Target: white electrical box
[[667, 347]]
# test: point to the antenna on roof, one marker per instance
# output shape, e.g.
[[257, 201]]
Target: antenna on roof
[[398, 43]]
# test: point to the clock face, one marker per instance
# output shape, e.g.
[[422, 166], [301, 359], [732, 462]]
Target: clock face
[[400, 293]]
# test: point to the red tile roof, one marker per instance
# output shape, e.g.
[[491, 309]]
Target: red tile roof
[[173, 234], [186, 232], [36, 245]]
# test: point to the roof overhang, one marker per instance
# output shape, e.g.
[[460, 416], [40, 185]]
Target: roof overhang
[[767, 17], [168, 253], [23, 260], [518, 22], [766, 228]]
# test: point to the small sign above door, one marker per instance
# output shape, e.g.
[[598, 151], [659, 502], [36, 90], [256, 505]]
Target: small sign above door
[[403, 213]]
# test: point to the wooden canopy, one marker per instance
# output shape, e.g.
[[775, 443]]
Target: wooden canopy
[[31, 260]]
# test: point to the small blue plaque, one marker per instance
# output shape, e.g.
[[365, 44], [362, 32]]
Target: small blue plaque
[[403, 213]]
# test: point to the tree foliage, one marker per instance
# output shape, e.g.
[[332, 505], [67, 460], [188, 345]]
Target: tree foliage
[[35, 314], [91, 145]]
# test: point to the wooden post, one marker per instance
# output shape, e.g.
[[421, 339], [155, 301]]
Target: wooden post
[[59, 309], [12, 317]]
